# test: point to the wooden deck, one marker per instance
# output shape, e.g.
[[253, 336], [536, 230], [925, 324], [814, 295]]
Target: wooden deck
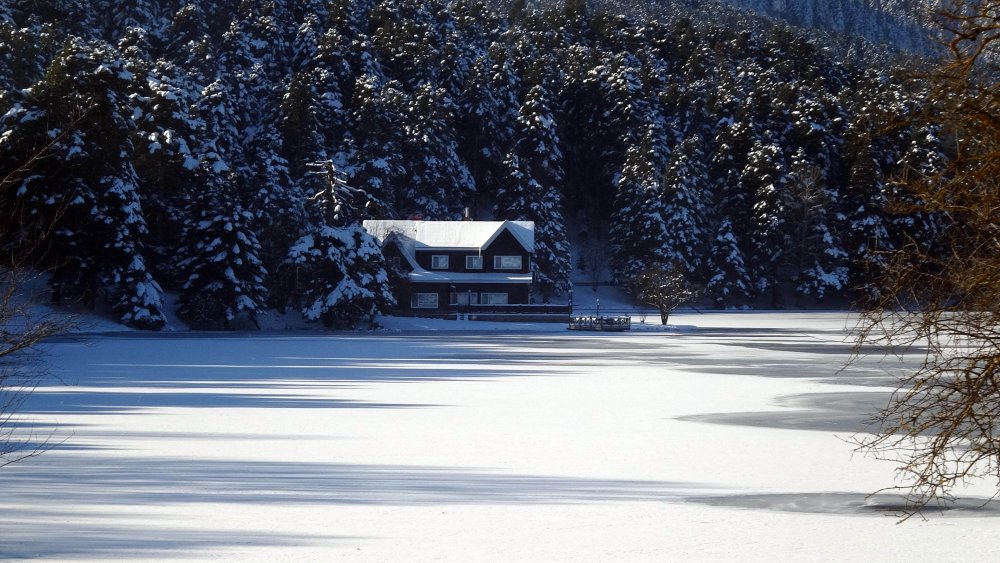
[[614, 324]]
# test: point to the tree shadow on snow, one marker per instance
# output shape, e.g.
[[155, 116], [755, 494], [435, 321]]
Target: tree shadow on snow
[[130, 372], [77, 490], [113, 374], [37, 533], [845, 412], [848, 504], [95, 481]]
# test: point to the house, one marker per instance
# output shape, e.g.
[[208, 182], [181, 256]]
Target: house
[[458, 265]]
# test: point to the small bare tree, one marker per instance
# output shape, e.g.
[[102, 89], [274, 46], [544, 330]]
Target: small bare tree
[[663, 288], [594, 257], [20, 330], [23, 237], [942, 425]]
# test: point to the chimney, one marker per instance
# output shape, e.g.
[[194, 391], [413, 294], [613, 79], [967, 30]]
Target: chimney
[[466, 214]]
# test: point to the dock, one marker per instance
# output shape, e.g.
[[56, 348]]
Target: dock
[[612, 324]]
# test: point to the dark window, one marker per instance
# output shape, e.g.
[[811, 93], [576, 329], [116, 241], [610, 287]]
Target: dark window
[[507, 262], [424, 301]]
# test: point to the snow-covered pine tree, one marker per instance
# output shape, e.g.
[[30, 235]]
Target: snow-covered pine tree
[[687, 191], [440, 182], [302, 139], [817, 261], [219, 264], [378, 168], [458, 52], [728, 282], [409, 39], [188, 43], [586, 131], [628, 108], [487, 120], [638, 224], [533, 191], [254, 64], [135, 296], [333, 82], [167, 139], [72, 18], [24, 54], [148, 15], [87, 184], [224, 274], [869, 158], [763, 180], [339, 265], [346, 51], [305, 45]]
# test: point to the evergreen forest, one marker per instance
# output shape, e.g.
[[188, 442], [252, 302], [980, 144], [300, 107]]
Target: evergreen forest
[[227, 152]]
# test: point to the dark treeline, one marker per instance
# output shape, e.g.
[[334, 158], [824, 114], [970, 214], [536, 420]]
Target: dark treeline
[[175, 145]]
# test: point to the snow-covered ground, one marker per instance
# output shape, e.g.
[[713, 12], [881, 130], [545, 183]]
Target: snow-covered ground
[[720, 439]]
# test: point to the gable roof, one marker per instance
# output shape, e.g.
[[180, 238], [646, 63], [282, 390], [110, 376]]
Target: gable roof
[[449, 235]]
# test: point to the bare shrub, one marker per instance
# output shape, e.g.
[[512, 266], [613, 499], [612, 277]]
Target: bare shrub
[[942, 425]]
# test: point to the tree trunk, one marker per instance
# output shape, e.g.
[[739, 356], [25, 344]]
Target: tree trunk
[[664, 313]]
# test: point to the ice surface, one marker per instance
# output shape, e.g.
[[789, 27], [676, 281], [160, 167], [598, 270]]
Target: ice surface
[[718, 439]]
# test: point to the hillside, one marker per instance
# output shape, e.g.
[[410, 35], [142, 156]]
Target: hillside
[[169, 146]]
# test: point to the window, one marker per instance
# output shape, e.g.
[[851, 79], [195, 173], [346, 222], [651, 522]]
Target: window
[[473, 262], [507, 262], [424, 301], [394, 262], [439, 262], [463, 298], [494, 298]]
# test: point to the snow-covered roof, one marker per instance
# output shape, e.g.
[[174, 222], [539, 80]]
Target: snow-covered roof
[[450, 235], [421, 275]]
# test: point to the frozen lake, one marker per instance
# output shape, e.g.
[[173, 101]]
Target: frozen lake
[[721, 439]]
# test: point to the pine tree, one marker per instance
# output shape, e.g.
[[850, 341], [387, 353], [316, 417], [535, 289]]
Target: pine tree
[[344, 280], [728, 281], [302, 139], [88, 187], [254, 57], [763, 180], [487, 120], [346, 271], [728, 278], [135, 296], [147, 15], [378, 167], [225, 276], [440, 183], [818, 262], [24, 54], [532, 191], [410, 40], [305, 46], [638, 225], [219, 262], [686, 191], [168, 138]]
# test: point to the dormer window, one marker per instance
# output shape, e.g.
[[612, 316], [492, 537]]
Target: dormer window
[[506, 262], [439, 262], [473, 262]]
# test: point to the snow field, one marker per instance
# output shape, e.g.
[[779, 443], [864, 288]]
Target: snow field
[[720, 440]]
